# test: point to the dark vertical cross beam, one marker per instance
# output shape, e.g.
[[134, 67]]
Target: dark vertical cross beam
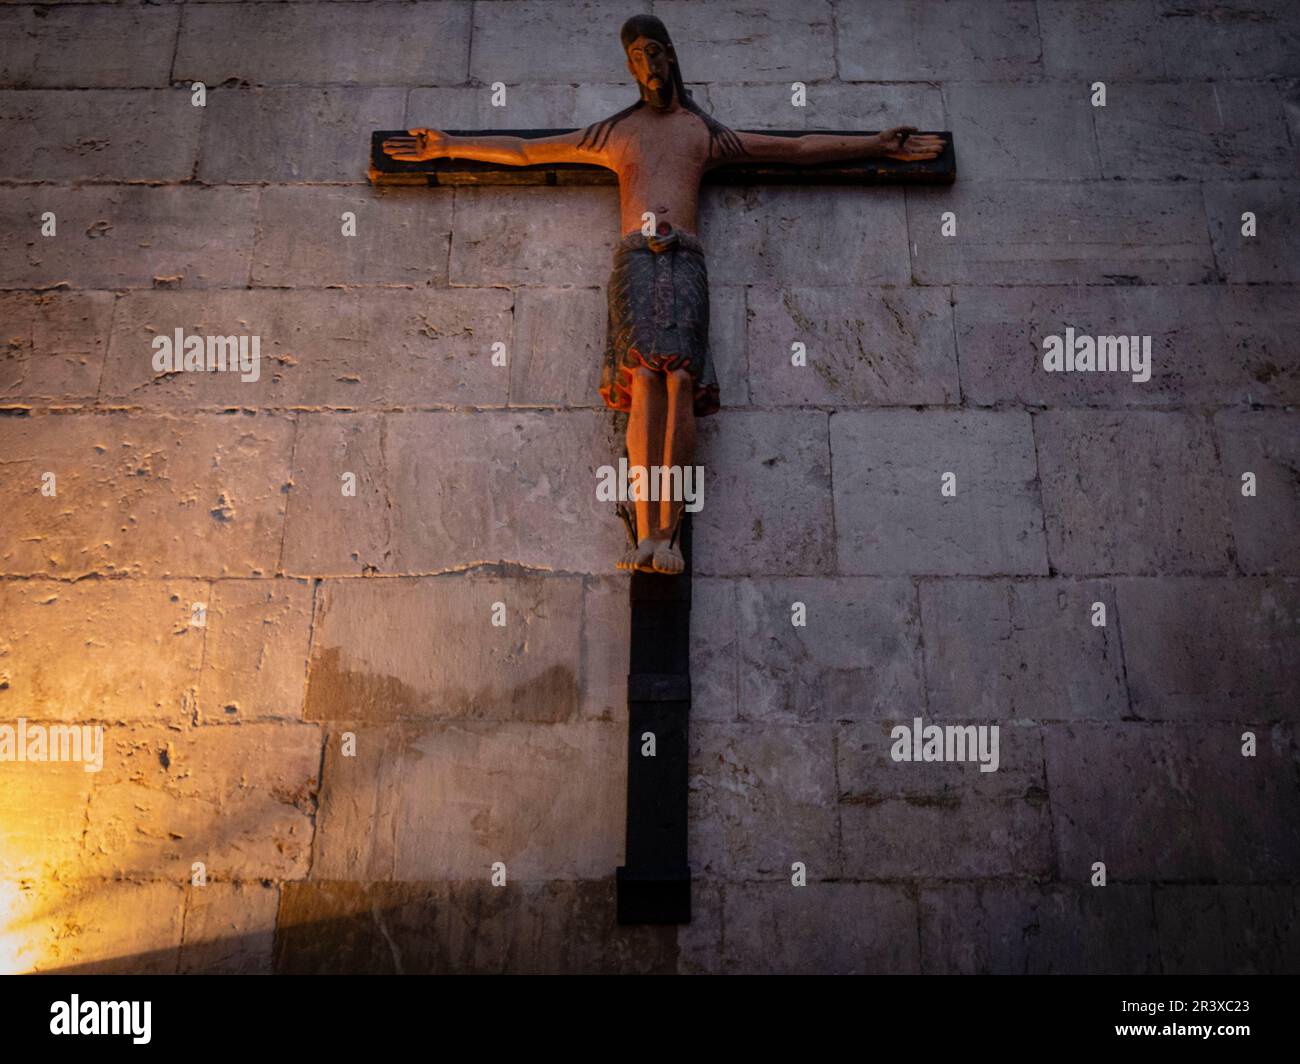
[[654, 886]]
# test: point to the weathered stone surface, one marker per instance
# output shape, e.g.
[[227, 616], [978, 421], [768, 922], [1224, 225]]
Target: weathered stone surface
[[43, 807], [1251, 38], [539, 40], [858, 656], [867, 772], [53, 344], [559, 347], [1266, 443], [1169, 804], [463, 666], [362, 44], [104, 927], [538, 469], [140, 135], [715, 650], [606, 631], [1211, 649], [533, 236], [1116, 39], [823, 929], [1209, 345], [931, 40], [386, 348], [1023, 649], [1038, 129], [1273, 254], [746, 41], [97, 46], [827, 105], [402, 237], [1137, 492], [461, 928], [239, 798], [767, 494], [327, 532], [1047, 232], [144, 495], [126, 236], [1031, 930], [1193, 130], [890, 516], [317, 134], [255, 660], [763, 797], [448, 801], [808, 237], [884, 346], [948, 837], [229, 929], [63, 649], [1220, 930], [526, 106]]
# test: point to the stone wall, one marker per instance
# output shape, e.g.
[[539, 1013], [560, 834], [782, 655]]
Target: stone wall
[[198, 583]]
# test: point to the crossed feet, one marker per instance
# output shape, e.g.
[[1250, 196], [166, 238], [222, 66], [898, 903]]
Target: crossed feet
[[654, 555]]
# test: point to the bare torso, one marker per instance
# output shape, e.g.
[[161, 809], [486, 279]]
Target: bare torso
[[659, 158]]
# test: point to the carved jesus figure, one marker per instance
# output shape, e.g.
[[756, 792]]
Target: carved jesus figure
[[657, 363]]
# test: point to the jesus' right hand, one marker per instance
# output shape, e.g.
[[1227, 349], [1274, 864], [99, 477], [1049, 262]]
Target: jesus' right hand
[[421, 144]]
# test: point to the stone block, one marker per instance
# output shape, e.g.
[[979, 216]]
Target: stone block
[[325, 43], [1160, 804], [239, 798], [463, 667], [108, 135], [93, 47], [100, 650], [1272, 256], [857, 656], [1266, 443], [53, 344], [767, 498], [1228, 930], [566, 42], [1211, 649], [126, 236], [881, 346], [145, 495], [1050, 232], [746, 41], [1024, 649], [1136, 492], [890, 515], [229, 929], [1043, 129]]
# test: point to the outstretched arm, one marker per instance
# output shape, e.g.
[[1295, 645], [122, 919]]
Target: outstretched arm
[[901, 142], [421, 144]]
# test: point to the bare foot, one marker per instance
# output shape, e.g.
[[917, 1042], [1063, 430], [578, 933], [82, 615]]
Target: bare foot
[[639, 557], [668, 559]]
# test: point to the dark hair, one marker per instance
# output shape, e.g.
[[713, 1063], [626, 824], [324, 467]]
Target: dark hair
[[721, 139]]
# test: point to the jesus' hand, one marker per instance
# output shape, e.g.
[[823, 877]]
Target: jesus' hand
[[421, 144], [905, 144]]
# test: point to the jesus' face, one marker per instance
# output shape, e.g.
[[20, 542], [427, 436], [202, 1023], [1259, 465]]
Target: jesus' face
[[651, 64]]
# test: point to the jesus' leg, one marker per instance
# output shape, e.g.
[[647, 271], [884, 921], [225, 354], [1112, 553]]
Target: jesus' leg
[[645, 433], [678, 451]]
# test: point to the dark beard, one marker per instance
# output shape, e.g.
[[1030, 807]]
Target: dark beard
[[661, 98]]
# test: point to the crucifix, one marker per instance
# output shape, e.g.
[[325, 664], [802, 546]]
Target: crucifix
[[657, 366]]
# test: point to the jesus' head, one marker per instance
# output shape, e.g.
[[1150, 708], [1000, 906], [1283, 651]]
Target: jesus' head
[[652, 61]]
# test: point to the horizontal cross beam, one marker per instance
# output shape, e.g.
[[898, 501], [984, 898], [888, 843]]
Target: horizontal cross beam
[[385, 170]]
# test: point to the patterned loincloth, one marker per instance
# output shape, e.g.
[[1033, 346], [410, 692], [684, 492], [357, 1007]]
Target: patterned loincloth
[[658, 316]]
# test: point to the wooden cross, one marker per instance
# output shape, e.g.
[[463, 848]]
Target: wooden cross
[[662, 369]]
